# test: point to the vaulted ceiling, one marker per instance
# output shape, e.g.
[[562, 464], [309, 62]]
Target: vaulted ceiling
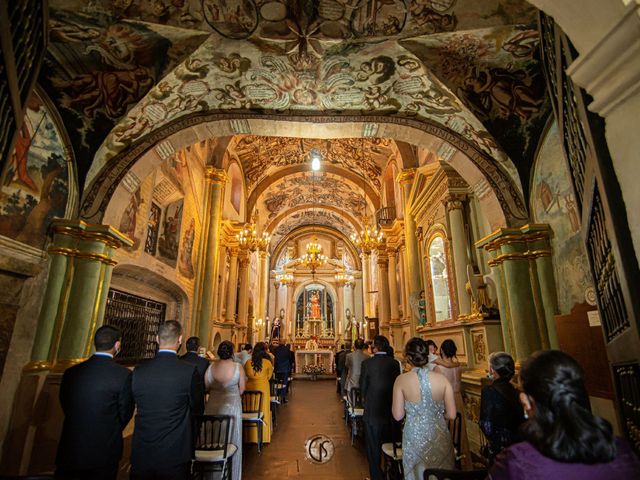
[[124, 74]]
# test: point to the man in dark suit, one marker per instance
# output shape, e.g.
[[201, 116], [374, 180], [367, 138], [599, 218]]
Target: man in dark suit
[[97, 404], [377, 376], [168, 393], [193, 344], [282, 367], [341, 371]]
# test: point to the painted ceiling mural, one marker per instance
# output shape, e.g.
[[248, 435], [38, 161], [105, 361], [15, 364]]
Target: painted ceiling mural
[[120, 69], [260, 156], [321, 217], [322, 189], [497, 74], [286, 20], [98, 66]]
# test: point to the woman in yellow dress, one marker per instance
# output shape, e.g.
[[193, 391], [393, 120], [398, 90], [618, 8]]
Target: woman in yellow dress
[[259, 370]]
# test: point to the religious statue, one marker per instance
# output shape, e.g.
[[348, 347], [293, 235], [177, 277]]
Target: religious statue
[[277, 323], [315, 305]]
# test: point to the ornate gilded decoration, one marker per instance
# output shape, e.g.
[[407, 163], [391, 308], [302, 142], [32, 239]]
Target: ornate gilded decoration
[[479, 347], [216, 175]]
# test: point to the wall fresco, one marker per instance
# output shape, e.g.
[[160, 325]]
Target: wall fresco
[[35, 180], [553, 202]]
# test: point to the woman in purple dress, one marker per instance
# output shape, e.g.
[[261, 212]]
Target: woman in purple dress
[[563, 439]]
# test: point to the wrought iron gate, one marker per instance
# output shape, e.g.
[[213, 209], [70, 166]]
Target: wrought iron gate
[[138, 318]]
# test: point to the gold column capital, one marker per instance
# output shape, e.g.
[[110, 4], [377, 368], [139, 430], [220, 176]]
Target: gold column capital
[[454, 202], [216, 175], [233, 251], [94, 232], [406, 176], [513, 236]]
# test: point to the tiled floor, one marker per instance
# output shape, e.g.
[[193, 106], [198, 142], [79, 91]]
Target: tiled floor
[[314, 408]]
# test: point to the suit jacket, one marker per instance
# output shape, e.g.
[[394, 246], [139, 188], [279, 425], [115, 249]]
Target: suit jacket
[[282, 356], [340, 360], [376, 387], [352, 364], [168, 393], [97, 404], [201, 363]]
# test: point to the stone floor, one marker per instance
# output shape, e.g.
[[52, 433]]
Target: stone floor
[[314, 408]]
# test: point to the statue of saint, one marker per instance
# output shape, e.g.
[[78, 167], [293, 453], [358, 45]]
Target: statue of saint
[[277, 324], [315, 305]]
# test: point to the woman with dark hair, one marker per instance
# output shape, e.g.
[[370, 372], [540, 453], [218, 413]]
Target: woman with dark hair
[[450, 368], [500, 410], [562, 438], [426, 398], [259, 370], [225, 381]]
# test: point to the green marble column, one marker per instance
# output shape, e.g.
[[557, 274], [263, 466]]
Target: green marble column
[[527, 292], [75, 298], [216, 179], [405, 178]]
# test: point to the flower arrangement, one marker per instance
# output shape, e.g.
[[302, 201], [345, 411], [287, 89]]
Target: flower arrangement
[[313, 369]]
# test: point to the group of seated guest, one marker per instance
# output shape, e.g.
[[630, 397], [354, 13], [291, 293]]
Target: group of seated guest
[[546, 429]]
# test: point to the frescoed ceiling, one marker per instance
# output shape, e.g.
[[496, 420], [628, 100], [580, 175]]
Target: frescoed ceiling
[[301, 218], [120, 70], [261, 156], [313, 191]]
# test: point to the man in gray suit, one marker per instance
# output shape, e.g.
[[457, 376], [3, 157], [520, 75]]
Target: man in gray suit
[[353, 364]]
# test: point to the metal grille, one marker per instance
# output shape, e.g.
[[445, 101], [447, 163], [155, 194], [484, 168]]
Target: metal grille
[[152, 230], [612, 308], [139, 319], [627, 378], [557, 55]]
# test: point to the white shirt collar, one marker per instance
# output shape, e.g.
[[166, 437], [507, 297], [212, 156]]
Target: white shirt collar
[[103, 354], [167, 350]]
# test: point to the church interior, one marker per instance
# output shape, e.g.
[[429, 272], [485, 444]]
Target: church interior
[[317, 172]]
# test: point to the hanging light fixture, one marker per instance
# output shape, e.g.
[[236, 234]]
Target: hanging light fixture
[[249, 238], [370, 237], [313, 257]]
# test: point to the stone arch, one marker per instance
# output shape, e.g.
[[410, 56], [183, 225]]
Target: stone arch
[[500, 196], [306, 229]]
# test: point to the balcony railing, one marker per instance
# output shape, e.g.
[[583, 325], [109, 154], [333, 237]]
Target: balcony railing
[[385, 216]]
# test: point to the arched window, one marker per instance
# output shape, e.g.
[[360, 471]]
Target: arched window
[[440, 288]]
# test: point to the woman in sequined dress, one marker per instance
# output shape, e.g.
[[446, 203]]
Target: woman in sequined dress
[[426, 399], [225, 381]]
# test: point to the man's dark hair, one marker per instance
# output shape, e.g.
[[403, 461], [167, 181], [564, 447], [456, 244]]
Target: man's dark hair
[[106, 338], [381, 343], [169, 332], [347, 345], [247, 347], [360, 344], [193, 343]]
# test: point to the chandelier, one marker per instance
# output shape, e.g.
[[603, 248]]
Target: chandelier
[[248, 238], [313, 258], [284, 278], [370, 238]]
